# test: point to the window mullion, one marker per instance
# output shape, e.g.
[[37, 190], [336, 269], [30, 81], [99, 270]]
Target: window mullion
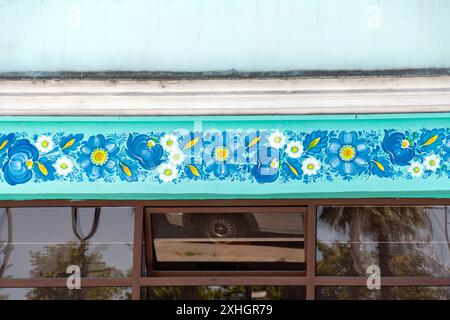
[[137, 252], [311, 251]]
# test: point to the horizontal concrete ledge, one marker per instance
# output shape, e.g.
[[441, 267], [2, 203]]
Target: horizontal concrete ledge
[[227, 74], [277, 96]]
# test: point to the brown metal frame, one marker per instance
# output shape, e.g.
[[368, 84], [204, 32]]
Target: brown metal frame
[[138, 280]]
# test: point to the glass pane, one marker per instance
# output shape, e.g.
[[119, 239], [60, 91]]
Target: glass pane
[[226, 293], [41, 242], [402, 241], [237, 241], [385, 293], [91, 293]]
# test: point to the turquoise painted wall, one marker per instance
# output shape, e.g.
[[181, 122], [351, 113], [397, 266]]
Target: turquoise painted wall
[[424, 135], [217, 35]]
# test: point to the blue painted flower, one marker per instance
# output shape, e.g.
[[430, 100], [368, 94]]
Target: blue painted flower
[[222, 169], [6, 141], [431, 140], [128, 171], [145, 150], [22, 156], [349, 155], [70, 142], [315, 142], [44, 169], [380, 167], [221, 154], [266, 173], [267, 168], [398, 147], [292, 168], [447, 149], [98, 156]]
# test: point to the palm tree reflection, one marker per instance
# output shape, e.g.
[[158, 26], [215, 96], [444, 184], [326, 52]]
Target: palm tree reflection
[[397, 239]]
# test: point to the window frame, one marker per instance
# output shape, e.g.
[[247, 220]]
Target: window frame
[[138, 280], [149, 248]]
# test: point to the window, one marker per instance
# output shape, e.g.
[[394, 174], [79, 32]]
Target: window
[[45, 240], [402, 240], [409, 244], [385, 293], [225, 293], [227, 238], [61, 293], [237, 249]]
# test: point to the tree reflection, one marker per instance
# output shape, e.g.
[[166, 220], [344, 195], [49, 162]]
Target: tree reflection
[[53, 262], [398, 293], [397, 239], [226, 293]]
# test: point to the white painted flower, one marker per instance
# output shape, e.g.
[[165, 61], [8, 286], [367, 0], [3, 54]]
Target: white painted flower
[[294, 149], [169, 142], [432, 162], [405, 144], [167, 172], [277, 139], [310, 166], [416, 169], [44, 144], [63, 166], [176, 157], [275, 164]]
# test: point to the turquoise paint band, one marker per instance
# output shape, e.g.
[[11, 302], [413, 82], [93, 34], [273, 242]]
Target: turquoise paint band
[[344, 156]]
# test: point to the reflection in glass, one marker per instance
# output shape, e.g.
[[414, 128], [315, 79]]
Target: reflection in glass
[[91, 293], [402, 241], [238, 241], [394, 293], [226, 293], [43, 242]]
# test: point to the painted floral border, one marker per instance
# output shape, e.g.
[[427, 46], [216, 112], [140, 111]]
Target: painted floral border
[[259, 156]]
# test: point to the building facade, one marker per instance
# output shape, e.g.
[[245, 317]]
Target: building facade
[[216, 150]]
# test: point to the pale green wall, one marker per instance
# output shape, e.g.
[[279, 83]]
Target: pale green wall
[[365, 187], [206, 35]]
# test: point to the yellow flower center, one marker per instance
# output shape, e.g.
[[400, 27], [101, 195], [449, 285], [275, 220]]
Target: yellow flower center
[[63, 166], [432, 162], [277, 139], [347, 153], [169, 143], [29, 163], [405, 144], [151, 143], [416, 169], [274, 164], [99, 156], [221, 154], [167, 172], [294, 149], [44, 144], [310, 166]]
